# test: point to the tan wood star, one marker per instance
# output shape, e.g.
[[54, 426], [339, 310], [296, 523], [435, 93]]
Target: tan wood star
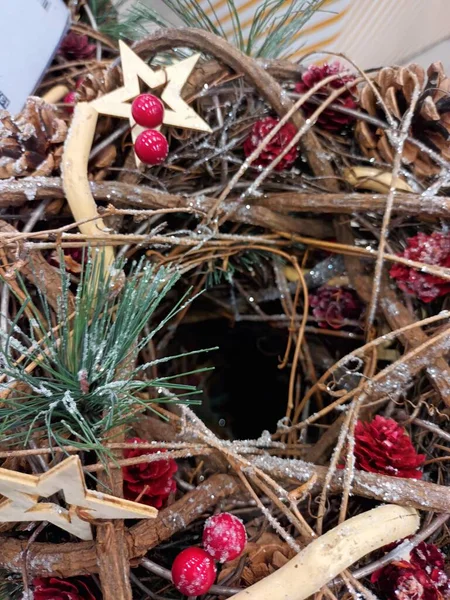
[[179, 114], [22, 493]]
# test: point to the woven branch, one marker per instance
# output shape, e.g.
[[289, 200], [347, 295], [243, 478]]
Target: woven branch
[[68, 560]]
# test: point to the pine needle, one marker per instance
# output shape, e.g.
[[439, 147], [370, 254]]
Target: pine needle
[[272, 32], [78, 388]]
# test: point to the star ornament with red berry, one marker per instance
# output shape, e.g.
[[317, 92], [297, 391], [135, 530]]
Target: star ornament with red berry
[[149, 143], [177, 113]]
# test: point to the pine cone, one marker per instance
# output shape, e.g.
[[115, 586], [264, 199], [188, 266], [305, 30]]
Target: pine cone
[[98, 83], [430, 123], [32, 142]]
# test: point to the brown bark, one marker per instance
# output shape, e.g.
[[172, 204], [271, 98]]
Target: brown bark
[[111, 547], [16, 193], [397, 315], [68, 560], [351, 202], [36, 270], [405, 492]]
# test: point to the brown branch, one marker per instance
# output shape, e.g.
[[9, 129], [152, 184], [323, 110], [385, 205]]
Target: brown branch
[[264, 83], [397, 315], [68, 560], [37, 271], [405, 492], [18, 192], [112, 551], [351, 202]]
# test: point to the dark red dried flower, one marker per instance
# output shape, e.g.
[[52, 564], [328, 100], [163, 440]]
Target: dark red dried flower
[[431, 249], [76, 47], [329, 119], [420, 578], [382, 446], [52, 588], [151, 482], [259, 131], [335, 306]]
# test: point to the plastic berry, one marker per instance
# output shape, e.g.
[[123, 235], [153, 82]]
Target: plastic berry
[[224, 537], [193, 572], [151, 147], [147, 110]]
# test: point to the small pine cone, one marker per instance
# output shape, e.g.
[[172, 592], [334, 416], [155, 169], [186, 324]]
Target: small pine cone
[[98, 83], [431, 119], [32, 142], [329, 119]]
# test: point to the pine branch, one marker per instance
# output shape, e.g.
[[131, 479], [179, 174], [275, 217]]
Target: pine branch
[[74, 389], [273, 30]]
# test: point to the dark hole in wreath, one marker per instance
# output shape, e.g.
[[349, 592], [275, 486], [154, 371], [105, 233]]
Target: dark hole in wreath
[[246, 392]]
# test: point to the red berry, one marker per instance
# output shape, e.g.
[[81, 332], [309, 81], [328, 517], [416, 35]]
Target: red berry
[[224, 537], [151, 147], [147, 110], [193, 572]]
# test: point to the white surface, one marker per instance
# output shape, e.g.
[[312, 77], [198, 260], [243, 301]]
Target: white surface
[[372, 32], [30, 33]]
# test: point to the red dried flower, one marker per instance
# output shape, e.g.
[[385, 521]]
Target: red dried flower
[[431, 249], [259, 131], [151, 482], [329, 119], [382, 446], [52, 588], [73, 259], [76, 47], [420, 578], [334, 306]]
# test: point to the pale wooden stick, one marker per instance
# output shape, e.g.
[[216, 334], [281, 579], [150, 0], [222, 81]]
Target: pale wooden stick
[[55, 94], [75, 174], [330, 554]]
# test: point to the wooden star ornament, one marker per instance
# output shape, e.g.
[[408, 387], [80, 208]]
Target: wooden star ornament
[[179, 114], [74, 165], [22, 493]]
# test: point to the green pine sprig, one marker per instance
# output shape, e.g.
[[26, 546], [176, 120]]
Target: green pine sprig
[[81, 387], [273, 29]]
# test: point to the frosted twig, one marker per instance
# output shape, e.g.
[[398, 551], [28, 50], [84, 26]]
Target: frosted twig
[[399, 145]]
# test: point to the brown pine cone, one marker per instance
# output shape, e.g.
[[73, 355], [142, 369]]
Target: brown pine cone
[[32, 142], [430, 123], [98, 83]]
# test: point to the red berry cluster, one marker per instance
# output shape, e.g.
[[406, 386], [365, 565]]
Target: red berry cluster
[[150, 146], [194, 570]]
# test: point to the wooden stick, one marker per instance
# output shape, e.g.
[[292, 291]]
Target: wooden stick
[[330, 554], [74, 169], [55, 94]]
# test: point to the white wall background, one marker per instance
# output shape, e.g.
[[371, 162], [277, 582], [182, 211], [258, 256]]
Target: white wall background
[[372, 32]]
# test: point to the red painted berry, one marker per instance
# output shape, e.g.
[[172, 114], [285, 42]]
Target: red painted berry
[[147, 110], [224, 537], [151, 147], [193, 572]]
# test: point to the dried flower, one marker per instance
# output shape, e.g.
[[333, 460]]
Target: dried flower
[[420, 578], [277, 144], [431, 249], [52, 588], [382, 446], [76, 47], [329, 119], [73, 259], [151, 482], [335, 306]]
